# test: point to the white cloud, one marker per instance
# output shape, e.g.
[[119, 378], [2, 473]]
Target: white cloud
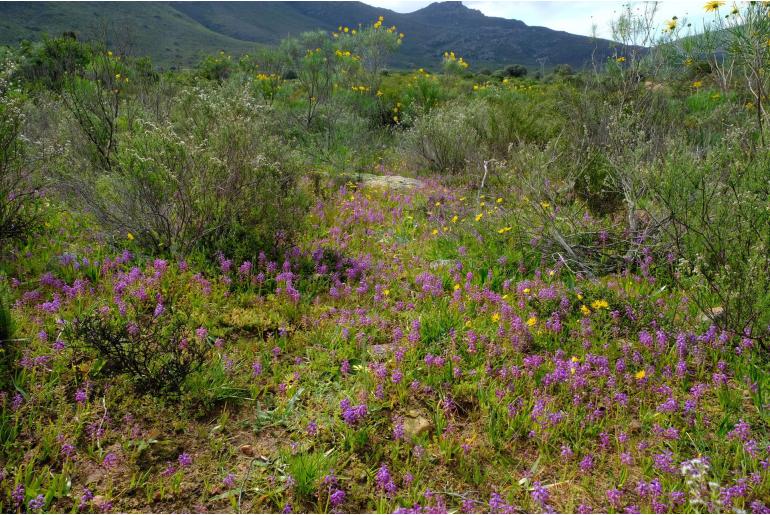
[[575, 17]]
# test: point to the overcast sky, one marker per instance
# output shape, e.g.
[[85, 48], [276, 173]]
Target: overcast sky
[[574, 17]]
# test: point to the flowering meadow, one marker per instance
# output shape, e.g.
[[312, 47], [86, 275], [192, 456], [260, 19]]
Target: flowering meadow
[[301, 282], [381, 366]]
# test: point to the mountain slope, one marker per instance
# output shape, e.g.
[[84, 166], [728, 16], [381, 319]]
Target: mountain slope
[[150, 28], [177, 33]]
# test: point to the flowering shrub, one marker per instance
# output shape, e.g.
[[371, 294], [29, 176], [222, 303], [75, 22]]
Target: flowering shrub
[[445, 140], [19, 210], [147, 330], [172, 192]]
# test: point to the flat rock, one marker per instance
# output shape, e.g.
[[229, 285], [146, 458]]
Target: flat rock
[[392, 182], [415, 424]]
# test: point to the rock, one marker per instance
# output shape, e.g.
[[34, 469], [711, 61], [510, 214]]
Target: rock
[[157, 451], [393, 182], [416, 424], [248, 450], [95, 476]]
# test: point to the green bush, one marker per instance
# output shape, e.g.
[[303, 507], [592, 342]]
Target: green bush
[[515, 70], [445, 140], [19, 213], [216, 67], [720, 231], [154, 338], [8, 347], [218, 180], [51, 62], [512, 118], [95, 101]]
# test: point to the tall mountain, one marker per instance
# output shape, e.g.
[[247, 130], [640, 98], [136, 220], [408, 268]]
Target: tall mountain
[[178, 33]]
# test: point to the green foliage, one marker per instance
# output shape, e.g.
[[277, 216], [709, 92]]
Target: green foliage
[[444, 139], [307, 469], [515, 70], [19, 213], [509, 118], [50, 63], [373, 45], [720, 229], [155, 339], [6, 317], [95, 101], [563, 70], [314, 59], [176, 190], [216, 67]]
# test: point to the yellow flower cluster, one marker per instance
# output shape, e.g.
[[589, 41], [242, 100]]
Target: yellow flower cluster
[[342, 30], [360, 89], [396, 109], [451, 57], [265, 76]]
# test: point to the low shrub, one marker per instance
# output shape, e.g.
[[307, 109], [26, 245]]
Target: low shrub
[[19, 213], [720, 232], [444, 140], [218, 182], [150, 331]]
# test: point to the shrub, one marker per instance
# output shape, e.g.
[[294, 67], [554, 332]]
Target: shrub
[[8, 348], [314, 59], [215, 67], [720, 231], [611, 142], [149, 332], [516, 70], [452, 64], [19, 214], [218, 181], [51, 62], [94, 101], [444, 140], [563, 70], [424, 92], [512, 118], [6, 319]]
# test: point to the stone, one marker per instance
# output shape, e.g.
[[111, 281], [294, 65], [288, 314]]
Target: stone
[[415, 424]]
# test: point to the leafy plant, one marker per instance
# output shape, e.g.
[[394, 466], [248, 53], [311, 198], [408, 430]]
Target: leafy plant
[[19, 213], [153, 338]]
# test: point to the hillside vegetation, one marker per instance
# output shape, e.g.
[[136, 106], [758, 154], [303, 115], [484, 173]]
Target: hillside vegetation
[[296, 281], [178, 34]]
